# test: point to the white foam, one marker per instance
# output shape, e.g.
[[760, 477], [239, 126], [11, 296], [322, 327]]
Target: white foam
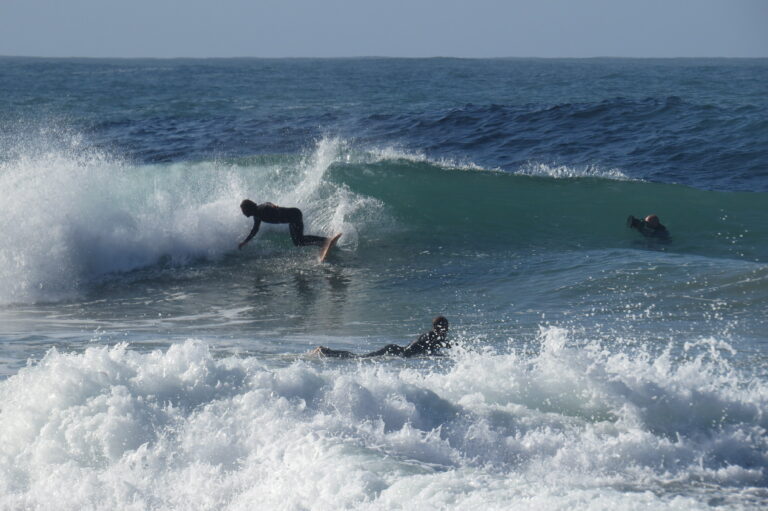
[[68, 219], [571, 427], [71, 216]]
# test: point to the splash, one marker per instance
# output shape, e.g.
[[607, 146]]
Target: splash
[[577, 420], [71, 218], [73, 215]]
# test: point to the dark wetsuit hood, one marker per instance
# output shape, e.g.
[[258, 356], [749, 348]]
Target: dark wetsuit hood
[[248, 207]]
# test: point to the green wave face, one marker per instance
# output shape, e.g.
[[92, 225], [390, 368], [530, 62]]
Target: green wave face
[[438, 204]]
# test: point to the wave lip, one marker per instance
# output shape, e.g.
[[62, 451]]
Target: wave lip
[[567, 172]]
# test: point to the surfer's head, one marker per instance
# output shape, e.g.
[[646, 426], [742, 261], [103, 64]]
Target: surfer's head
[[248, 207], [652, 220], [440, 324]]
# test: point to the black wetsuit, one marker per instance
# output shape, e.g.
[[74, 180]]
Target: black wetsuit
[[429, 343], [659, 232], [272, 214]]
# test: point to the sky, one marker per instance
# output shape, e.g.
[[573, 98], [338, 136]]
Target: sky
[[391, 28]]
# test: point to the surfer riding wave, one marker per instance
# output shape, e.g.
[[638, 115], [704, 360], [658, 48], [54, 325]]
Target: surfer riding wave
[[272, 214]]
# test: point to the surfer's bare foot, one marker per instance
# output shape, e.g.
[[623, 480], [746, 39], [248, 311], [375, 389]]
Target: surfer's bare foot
[[320, 351]]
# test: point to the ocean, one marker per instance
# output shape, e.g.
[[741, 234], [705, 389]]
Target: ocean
[[147, 363]]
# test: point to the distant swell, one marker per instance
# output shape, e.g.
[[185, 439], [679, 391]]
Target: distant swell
[[661, 139]]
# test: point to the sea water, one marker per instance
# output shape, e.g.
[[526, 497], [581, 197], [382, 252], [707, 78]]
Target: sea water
[[146, 363]]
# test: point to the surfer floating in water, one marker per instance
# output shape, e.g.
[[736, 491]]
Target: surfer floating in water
[[429, 343], [650, 227], [272, 214]]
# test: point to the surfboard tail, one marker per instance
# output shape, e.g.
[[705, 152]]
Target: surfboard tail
[[328, 246]]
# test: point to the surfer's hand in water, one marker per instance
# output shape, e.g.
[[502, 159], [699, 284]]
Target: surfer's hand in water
[[241, 245]]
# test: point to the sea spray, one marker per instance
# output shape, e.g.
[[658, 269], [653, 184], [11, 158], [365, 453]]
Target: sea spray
[[120, 428], [70, 220], [73, 217]]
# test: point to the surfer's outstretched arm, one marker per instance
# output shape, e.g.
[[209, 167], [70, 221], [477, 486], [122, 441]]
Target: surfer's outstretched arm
[[256, 225]]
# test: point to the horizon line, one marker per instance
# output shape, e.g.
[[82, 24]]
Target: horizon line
[[382, 57]]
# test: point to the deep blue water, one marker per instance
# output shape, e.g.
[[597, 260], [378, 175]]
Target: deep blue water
[[147, 362], [700, 123]]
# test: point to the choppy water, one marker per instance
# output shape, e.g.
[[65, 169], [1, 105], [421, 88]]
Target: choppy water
[[147, 363]]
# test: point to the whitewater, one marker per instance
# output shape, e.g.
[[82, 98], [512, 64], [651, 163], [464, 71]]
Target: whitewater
[[147, 363]]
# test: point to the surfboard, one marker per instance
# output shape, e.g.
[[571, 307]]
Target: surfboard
[[328, 246]]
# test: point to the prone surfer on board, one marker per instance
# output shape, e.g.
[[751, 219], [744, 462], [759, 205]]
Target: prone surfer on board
[[271, 214], [429, 343]]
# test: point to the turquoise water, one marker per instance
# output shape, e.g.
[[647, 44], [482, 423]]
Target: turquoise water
[[148, 363]]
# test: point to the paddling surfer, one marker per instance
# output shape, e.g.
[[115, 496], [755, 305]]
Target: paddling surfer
[[271, 214], [650, 227], [429, 343]]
